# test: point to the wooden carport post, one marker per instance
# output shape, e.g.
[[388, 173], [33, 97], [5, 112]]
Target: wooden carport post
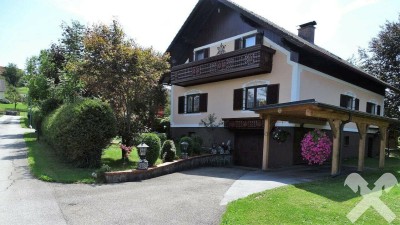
[[362, 130], [268, 124], [383, 132], [335, 127]]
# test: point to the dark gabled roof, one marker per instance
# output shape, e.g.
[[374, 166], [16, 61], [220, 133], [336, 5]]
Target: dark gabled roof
[[287, 36]]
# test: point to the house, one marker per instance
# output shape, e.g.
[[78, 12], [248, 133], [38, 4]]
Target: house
[[256, 76], [2, 83]]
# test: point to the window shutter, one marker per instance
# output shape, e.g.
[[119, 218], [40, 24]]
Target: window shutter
[[203, 102], [378, 110], [238, 99], [259, 38], [343, 101], [181, 104], [357, 104], [238, 44], [206, 53], [273, 94]]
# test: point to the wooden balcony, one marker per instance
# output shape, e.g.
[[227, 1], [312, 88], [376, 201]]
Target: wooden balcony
[[240, 63]]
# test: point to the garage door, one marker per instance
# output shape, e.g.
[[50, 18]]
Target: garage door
[[248, 149]]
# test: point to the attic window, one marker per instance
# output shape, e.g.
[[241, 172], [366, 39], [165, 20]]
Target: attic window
[[201, 54], [248, 41]]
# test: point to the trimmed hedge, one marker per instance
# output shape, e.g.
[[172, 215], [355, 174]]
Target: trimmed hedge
[[168, 151], [154, 143], [80, 131], [49, 105]]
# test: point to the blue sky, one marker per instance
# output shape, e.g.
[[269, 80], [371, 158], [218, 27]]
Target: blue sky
[[27, 26]]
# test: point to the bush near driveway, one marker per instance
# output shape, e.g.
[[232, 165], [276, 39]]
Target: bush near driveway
[[80, 131], [168, 151], [154, 143]]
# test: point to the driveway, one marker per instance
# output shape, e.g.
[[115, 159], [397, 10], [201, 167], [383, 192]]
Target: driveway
[[192, 197]]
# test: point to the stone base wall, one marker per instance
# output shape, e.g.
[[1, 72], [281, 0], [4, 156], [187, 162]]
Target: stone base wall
[[167, 168]]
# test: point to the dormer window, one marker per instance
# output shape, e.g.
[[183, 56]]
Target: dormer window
[[201, 54]]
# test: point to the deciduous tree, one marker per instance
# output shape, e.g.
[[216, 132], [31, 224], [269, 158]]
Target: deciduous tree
[[124, 74]]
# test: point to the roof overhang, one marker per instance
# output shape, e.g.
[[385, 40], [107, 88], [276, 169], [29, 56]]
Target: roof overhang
[[311, 111]]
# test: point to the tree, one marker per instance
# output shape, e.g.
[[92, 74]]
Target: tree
[[12, 74], [13, 95], [118, 71], [382, 58]]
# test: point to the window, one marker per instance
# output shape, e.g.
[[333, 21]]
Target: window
[[201, 54], [255, 96], [349, 102], [248, 41], [373, 108], [194, 103]]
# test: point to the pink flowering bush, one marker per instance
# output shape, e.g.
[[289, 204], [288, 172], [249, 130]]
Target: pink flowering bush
[[126, 149], [316, 147]]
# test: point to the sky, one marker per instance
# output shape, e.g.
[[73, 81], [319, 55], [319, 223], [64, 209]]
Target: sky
[[28, 26]]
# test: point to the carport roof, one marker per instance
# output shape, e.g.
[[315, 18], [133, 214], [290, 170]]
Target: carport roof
[[311, 111]]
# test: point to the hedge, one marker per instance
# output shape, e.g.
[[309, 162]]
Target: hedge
[[80, 131]]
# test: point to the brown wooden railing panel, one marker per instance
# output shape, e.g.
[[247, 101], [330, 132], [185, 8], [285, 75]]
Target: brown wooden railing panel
[[240, 63]]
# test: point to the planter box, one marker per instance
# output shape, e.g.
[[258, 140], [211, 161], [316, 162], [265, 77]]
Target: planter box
[[167, 168]]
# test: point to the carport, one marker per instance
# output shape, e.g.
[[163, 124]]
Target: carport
[[313, 112]]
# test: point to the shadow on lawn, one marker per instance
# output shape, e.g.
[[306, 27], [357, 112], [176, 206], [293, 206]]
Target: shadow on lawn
[[334, 189]]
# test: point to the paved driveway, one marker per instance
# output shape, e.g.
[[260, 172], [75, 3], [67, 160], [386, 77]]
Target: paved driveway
[[192, 197]]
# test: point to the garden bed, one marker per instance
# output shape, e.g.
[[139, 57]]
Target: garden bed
[[167, 168]]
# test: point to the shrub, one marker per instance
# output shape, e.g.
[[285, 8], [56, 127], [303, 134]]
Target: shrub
[[37, 118], [162, 136], [197, 143], [100, 174], [49, 105], [80, 131], [154, 143], [168, 151], [190, 142]]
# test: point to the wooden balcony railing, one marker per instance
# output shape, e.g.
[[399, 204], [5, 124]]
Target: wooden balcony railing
[[239, 63]]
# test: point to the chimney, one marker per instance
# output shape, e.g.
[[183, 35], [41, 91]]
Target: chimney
[[307, 31]]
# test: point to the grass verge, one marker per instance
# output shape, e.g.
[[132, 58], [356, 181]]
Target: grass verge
[[47, 166], [325, 201]]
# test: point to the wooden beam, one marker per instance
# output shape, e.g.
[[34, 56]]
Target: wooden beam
[[268, 124], [370, 121], [362, 131], [383, 132], [327, 114], [335, 127]]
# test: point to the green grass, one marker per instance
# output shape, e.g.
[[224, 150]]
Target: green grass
[[21, 107], [326, 201], [47, 166], [23, 90]]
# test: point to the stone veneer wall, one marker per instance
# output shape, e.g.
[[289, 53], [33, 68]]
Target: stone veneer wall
[[191, 163]]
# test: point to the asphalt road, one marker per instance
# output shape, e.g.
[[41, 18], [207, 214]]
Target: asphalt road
[[191, 197]]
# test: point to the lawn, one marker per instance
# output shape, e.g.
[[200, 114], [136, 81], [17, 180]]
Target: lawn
[[47, 166], [326, 201]]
